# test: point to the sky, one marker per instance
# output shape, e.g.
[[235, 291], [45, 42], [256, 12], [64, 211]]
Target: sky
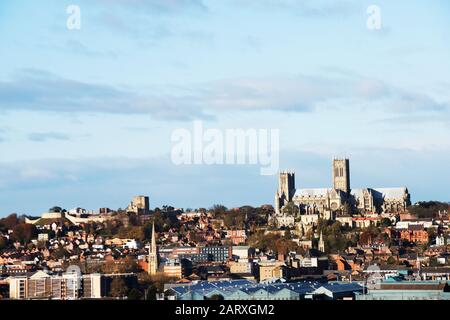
[[86, 115]]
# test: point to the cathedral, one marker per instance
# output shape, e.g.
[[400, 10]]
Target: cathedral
[[339, 200]]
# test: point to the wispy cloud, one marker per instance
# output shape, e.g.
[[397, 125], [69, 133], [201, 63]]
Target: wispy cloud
[[304, 8], [155, 6], [145, 19], [45, 136], [41, 91], [79, 48], [37, 90]]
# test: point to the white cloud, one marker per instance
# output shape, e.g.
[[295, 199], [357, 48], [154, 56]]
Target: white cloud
[[39, 90], [27, 174]]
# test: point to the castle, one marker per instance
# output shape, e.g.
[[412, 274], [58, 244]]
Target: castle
[[340, 200]]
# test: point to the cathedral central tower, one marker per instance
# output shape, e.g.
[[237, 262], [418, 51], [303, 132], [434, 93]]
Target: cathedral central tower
[[341, 175]]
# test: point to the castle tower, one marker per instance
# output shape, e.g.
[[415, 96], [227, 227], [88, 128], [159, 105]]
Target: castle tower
[[321, 243], [139, 205], [286, 189], [341, 175], [153, 254]]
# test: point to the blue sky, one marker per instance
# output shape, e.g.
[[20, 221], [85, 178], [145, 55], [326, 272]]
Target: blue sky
[[86, 115]]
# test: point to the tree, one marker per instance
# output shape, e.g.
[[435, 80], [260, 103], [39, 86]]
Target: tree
[[291, 209], [431, 235], [386, 222], [284, 246], [134, 232], [234, 220], [134, 220], [428, 209], [151, 292], [346, 208], [163, 222], [272, 242], [60, 253], [391, 260], [159, 280], [288, 234], [24, 232], [193, 236], [167, 208], [368, 235], [109, 267], [135, 294], [118, 288], [9, 222], [3, 243], [128, 265], [336, 228], [218, 209]]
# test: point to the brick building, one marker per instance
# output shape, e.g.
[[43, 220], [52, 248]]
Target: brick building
[[415, 233]]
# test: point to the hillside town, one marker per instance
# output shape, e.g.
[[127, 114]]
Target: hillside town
[[336, 243]]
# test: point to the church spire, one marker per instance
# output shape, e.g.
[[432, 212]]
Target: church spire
[[321, 242], [153, 245], [153, 254]]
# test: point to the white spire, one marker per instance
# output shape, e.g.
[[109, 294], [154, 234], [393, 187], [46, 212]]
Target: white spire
[[321, 242]]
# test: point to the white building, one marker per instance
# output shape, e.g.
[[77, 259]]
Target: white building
[[241, 252]]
